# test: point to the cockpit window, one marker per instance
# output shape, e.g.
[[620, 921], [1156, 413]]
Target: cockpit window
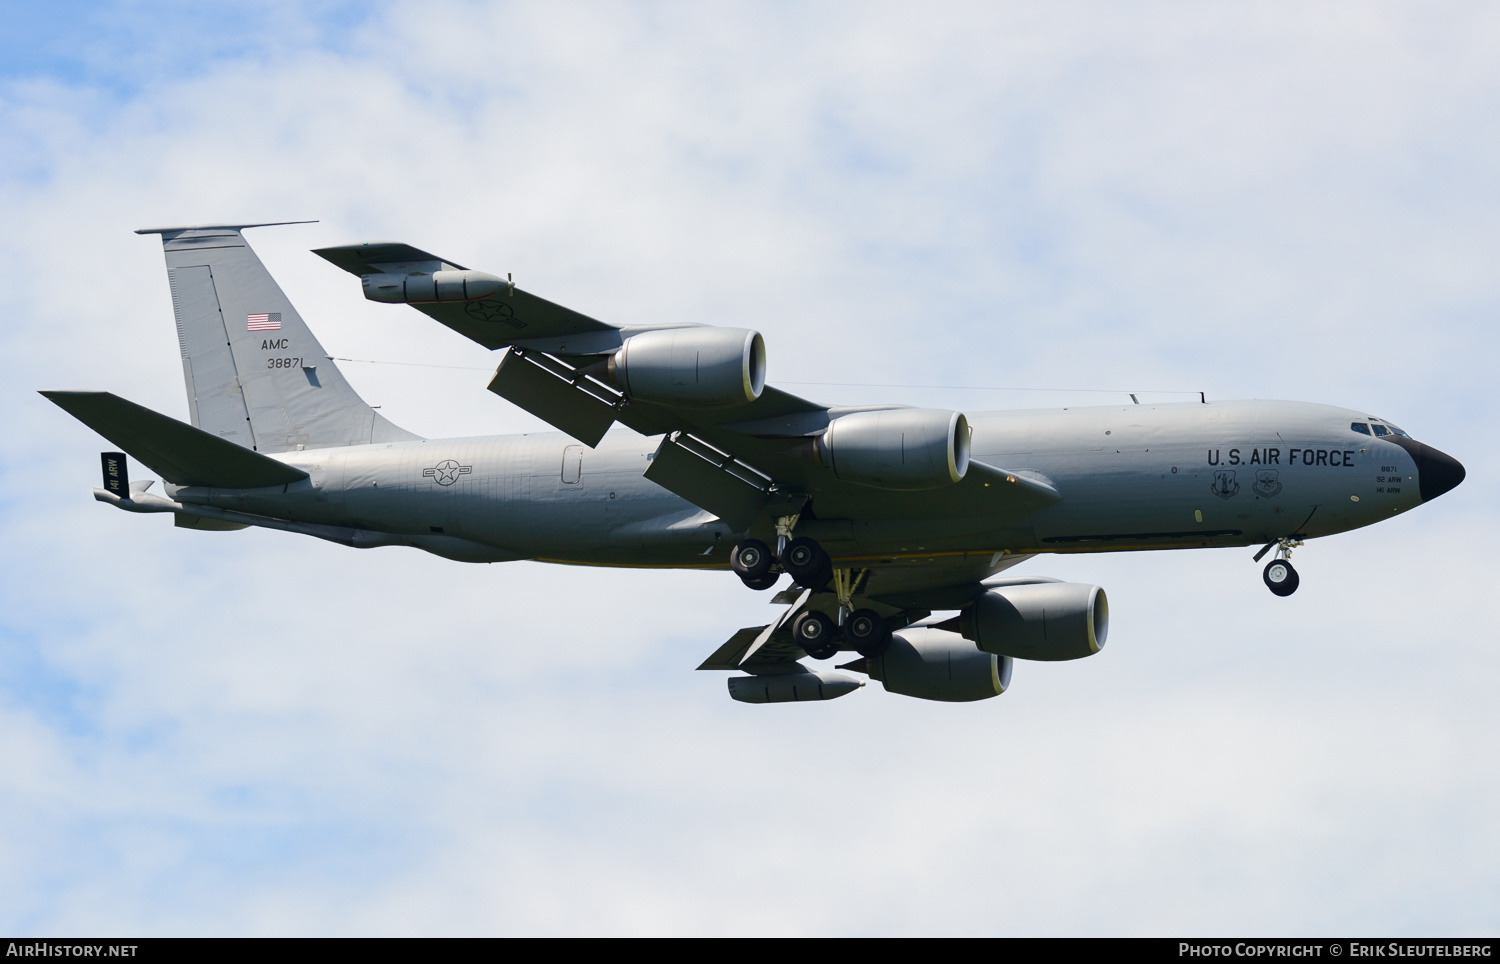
[[1382, 430], [1360, 427]]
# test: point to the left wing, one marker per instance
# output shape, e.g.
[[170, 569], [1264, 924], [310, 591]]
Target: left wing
[[743, 457]]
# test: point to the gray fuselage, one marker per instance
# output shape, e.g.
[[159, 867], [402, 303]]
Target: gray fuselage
[[1131, 477]]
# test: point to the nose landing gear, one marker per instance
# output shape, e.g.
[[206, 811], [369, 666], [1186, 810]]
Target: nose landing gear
[[1279, 576]]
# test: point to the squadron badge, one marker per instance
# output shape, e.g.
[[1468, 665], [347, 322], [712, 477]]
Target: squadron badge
[[1224, 485]]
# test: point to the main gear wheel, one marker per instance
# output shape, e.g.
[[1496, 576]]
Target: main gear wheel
[[817, 634], [867, 631], [805, 561]]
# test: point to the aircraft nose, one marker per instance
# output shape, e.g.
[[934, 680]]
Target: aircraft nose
[[1437, 472]]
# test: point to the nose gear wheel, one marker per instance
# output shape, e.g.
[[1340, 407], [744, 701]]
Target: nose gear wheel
[[1280, 577]]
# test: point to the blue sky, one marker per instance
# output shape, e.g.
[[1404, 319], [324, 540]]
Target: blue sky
[[121, 47], [249, 733]]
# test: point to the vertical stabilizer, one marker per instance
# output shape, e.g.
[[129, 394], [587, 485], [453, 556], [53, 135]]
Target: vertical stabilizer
[[255, 374]]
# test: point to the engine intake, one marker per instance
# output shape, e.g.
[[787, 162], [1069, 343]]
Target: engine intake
[[933, 664], [415, 289], [697, 367], [903, 448], [1043, 621]]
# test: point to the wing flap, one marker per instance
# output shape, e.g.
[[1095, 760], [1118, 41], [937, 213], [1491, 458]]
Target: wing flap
[[178, 452], [526, 379], [708, 479]]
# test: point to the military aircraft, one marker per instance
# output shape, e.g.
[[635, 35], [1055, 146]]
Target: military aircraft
[[881, 515]]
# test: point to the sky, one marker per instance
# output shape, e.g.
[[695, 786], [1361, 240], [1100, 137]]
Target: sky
[[974, 206]]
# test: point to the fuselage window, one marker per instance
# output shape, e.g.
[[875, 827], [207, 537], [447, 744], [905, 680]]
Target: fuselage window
[[1360, 427]]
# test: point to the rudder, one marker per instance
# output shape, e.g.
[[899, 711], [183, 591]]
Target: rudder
[[255, 374]]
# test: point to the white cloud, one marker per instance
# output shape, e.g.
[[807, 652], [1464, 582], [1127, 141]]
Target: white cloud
[[248, 733]]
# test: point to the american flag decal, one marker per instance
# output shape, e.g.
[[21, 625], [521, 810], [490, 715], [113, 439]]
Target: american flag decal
[[265, 321]]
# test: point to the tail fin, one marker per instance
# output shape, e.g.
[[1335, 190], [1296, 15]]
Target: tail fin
[[255, 374]]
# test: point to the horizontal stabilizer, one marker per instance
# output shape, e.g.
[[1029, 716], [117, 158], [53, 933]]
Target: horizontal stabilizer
[[181, 228], [181, 454]]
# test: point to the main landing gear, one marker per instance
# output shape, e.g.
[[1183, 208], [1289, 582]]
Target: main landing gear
[[1279, 575], [818, 633], [751, 560], [803, 559], [867, 630]]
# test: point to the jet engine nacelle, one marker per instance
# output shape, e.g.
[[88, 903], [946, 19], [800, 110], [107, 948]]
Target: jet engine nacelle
[[696, 367], [415, 289], [1045, 621], [902, 448], [933, 664], [792, 687]]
